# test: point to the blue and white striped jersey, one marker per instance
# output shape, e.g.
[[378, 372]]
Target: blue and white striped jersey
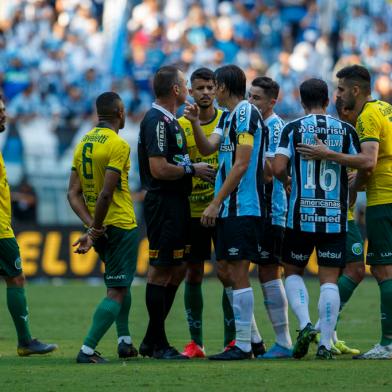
[[277, 199], [248, 197], [319, 191]]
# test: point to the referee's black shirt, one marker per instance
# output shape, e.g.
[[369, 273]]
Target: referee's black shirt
[[161, 135]]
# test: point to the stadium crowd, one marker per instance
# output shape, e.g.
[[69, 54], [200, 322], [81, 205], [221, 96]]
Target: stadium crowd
[[53, 53]]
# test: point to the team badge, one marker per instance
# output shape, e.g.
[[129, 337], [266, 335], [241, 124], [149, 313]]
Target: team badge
[[357, 249], [179, 140], [18, 263]]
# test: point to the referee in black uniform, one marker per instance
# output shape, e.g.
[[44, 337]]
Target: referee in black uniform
[[166, 173]]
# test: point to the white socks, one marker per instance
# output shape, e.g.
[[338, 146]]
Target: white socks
[[255, 336], [328, 307], [243, 314], [125, 339], [298, 298], [87, 350], [275, 301]]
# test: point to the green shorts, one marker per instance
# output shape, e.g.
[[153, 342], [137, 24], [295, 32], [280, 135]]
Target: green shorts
[[118, 250], [10, 261], [354, 243], [379, 233]]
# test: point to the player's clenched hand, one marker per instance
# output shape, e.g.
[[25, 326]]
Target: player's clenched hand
[[85, 243], [205, 171], [191, 112], [209, 215], [315, 151]]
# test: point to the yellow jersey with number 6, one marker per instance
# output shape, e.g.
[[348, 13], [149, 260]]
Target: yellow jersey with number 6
[[99, 150], [5, 203], [202, 191], [374, 123]]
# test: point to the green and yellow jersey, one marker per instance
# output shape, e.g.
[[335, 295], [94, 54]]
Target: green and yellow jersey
[[202, 191], [102, 149], [5, 203], [374, 123]]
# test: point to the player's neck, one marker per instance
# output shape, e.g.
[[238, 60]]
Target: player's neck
[[361, 103], [267, 114], [207, 114], [315, 111], [168, 104], [232, 101], [107, 124]]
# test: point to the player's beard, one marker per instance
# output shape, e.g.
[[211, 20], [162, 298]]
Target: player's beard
[[349, 104]]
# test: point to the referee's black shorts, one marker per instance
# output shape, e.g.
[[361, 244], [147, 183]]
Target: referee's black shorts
[[167, 216]]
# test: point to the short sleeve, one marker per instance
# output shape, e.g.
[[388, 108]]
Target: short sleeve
[[155, 137], [273, 138], [119, 156], [219, 129], [284, 147], [368, 127], [248, 119]]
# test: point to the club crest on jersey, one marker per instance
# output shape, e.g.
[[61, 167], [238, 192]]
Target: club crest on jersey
[[180, 142]]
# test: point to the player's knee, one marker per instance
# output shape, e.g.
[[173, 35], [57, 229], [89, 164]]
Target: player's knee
[[15, 281], [224, 276], [117, 293], [381, 272], [268, 273], [358, 272]]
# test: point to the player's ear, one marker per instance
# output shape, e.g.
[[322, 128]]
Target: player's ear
[[190, 91], [356, 90], [176, 89], [327, 103]]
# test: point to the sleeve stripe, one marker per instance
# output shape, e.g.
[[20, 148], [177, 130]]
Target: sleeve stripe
[[369, 139], [115, 169]]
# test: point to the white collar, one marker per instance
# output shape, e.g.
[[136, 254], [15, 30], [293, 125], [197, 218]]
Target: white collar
[[235, 109], [163, 110], [270, 117]]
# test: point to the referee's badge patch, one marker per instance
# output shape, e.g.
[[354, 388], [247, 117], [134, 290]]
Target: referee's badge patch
[[179, 140]]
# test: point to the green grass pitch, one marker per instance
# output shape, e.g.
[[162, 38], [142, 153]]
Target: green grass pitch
[[62, 314]]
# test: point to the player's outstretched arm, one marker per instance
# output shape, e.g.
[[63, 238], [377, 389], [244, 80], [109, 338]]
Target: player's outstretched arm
[[365, 160], [241, 163], [206, 146], [76, 199]]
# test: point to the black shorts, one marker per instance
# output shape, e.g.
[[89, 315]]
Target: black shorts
[[238, 238], [299, 245], [271, 244], [167, 218], [200, 240]]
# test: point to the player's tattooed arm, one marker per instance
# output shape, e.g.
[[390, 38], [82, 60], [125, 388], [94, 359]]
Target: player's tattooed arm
[[76, 199]]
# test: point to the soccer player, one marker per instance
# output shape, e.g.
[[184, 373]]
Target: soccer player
[[354, 271], [11, 267], [263, 94], [317, 216], [166, 173], [374, 127], [203, 92], [98, 192], [237, 209]]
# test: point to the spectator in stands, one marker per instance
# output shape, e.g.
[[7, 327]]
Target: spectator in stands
[[24, 203]]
